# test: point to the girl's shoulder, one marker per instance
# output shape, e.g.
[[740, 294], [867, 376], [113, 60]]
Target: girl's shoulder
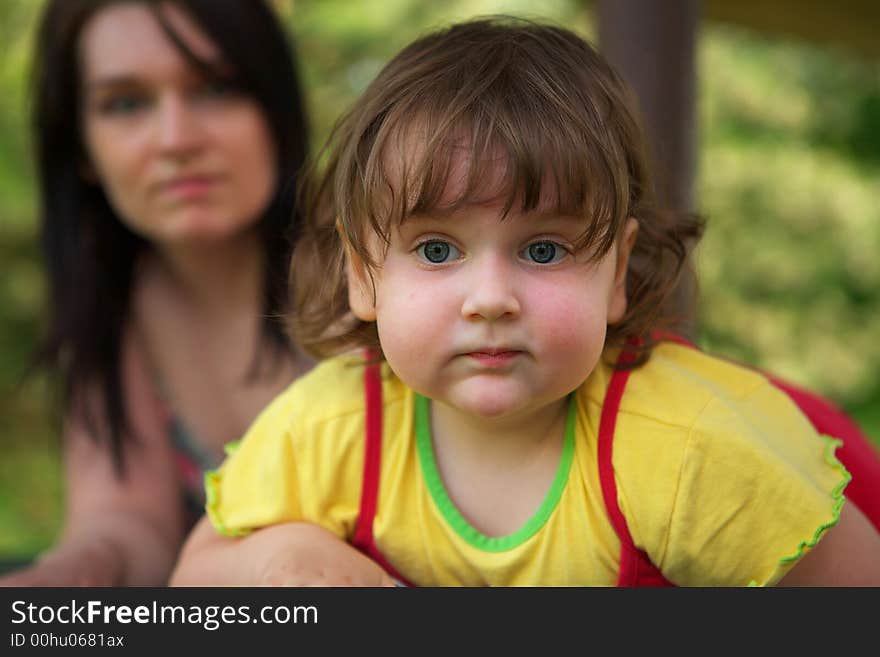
[[720, 476], [302, 455], [677, 388], [714, 407], [324, 406], [334, 389], [676, 384]]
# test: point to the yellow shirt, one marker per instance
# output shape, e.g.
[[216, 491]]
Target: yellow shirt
[[721, 479]]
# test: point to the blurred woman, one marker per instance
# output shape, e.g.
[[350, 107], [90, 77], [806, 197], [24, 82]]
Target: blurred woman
[[168, 137]]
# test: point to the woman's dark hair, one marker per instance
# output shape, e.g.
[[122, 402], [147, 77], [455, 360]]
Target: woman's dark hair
[[90, 254]]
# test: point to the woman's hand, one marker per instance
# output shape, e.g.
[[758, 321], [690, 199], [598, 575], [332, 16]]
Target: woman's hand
[[93, 563]]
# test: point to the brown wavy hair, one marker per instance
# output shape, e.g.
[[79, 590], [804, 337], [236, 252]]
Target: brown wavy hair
[[533, 101]]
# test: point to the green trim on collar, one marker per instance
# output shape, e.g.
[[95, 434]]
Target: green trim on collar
[[471, 535]]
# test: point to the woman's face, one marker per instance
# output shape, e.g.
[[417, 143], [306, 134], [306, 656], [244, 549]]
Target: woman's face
[[181, 158]]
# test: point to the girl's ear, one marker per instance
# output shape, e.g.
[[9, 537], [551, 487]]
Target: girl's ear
[[361, 297], [617, 304]]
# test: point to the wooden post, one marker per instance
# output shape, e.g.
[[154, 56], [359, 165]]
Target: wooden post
[[651, 44]]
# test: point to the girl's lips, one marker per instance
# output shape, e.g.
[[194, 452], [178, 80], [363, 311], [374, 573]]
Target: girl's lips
[[493, 358]]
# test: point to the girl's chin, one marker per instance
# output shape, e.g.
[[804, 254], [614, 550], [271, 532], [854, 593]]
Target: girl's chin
[[492, 402]]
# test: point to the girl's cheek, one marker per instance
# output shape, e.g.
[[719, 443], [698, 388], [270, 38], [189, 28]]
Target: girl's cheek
[[555, 305], [569, 319]]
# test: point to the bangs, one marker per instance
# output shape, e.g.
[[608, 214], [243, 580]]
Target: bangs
[[428, 170], [494, 129], [215, 70]]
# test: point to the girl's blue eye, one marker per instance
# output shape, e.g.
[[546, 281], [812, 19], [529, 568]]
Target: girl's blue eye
[[437, 251], [544, 252]]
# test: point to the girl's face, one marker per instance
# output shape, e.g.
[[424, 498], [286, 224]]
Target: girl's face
[[180, 158], [496, 318]]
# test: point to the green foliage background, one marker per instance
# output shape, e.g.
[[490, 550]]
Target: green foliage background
[[789, 179]]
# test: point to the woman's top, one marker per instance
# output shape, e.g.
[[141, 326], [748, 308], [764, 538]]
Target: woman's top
[[722, 481], [192, 461]]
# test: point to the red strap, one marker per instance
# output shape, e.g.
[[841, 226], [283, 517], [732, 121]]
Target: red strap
[[636, 568], [363, 538], [363, 535], [664, 336]]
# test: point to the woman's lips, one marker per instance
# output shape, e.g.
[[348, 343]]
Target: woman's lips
[[190, 188]]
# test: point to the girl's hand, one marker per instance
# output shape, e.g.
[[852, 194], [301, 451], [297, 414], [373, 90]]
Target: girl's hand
[[286, 554], [320, 559]]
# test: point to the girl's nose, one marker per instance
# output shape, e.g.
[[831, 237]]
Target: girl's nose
[[491, 294]]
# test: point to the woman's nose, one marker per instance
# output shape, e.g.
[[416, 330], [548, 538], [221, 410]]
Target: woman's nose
[[491, 291], [177, 128]]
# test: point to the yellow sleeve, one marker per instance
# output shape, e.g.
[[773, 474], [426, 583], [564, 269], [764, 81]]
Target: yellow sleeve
[[301, 459], [758, 487], [257, 485]]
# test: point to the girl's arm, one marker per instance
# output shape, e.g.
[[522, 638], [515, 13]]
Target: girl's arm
[[287, 554], [848, 555], [117, 531]]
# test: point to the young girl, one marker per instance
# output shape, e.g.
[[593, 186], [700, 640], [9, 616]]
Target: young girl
[[484, 253]]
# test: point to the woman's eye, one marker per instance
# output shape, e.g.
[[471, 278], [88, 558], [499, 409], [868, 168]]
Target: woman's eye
[[437, 251], [126, 104], [544, 252], [216, 89]]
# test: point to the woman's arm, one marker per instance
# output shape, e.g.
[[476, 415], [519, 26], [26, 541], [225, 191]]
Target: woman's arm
[[848, 555], [117, 531], [287, 554]]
